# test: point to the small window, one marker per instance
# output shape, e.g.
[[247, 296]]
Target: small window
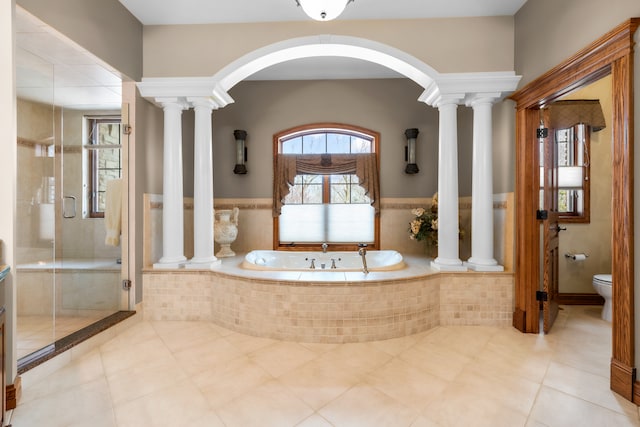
[[327, 208], [104, 160], [573, 173]]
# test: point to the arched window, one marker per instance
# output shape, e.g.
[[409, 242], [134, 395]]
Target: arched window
[[326, 187]]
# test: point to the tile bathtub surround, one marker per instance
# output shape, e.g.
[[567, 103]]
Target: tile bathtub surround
[[329, 307], [183, 373]]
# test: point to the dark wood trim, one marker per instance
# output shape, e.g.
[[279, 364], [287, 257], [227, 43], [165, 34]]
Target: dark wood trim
[[527, 232], [14, 391], [636, 392], [623, 378], [611, 54], [580, 299]]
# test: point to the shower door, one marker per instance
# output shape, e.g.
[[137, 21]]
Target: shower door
[[88, 283]]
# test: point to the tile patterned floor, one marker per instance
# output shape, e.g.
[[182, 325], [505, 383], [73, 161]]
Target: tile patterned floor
[[198, 374], [35, 332]]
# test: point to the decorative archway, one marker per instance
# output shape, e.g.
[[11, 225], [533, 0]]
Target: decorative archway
[[443, 91]]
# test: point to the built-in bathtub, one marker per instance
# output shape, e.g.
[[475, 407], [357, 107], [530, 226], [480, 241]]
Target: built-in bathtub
[[316, 305], [384, 260]]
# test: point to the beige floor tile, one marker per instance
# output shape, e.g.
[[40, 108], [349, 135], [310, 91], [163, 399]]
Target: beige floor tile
[[359, 358], [177, 336], [467, 340], [458, 406], [364, 405], [86, 369], [136, 335], [406, 384], [150, 352], [554, 408], [209, 419], [73, 406], [396, 346], [423, 422], [142, 379], [224, 382], [512, 391], [319, 382], [437, 360], [205, 354], [282, 357], [587, 386], [176, 405], [248, 343], [315, 420], [199, 374], [270, 404]]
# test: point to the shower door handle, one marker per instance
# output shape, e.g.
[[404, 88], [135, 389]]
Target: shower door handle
[[68, 205]]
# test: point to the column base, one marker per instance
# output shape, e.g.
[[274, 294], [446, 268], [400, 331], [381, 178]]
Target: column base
[[170, 263], [483, 265], [203, 263], [448, 265]]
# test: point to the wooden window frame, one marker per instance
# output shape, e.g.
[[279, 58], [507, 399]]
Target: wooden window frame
[[316, 128]]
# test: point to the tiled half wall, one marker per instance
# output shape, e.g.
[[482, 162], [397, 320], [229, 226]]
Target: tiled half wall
[[331, 312]]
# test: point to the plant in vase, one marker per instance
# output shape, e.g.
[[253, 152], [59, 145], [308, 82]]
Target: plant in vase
[[424, 227]]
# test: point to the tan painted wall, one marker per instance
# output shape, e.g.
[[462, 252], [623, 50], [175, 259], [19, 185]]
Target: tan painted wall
[[548, 32], [103, 27], [388, 106], [594, 238], [448, 45]]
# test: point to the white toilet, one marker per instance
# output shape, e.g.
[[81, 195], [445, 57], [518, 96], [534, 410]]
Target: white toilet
[[602, 285]]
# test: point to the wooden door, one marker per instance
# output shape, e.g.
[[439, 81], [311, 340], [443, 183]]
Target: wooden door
[[550, 231]]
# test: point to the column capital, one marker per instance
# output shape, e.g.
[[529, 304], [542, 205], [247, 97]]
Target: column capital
[[172, 102], [480, 98], [204, 102]]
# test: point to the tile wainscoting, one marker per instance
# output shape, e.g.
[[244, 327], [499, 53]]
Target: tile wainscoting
[[329, 307]]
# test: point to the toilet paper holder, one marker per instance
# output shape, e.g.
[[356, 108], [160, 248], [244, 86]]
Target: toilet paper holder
[[576, 257]]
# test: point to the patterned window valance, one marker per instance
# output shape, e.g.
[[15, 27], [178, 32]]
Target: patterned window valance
[[568, 113], [364, 166]]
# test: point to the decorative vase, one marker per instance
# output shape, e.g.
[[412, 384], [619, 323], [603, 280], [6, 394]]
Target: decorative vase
[[225, 230]]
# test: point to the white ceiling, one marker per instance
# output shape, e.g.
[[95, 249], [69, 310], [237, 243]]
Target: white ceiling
[[53, 69], [152, 12]]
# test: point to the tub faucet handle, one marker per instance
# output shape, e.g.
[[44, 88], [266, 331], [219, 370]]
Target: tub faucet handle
[[313, 263], [333, 262]]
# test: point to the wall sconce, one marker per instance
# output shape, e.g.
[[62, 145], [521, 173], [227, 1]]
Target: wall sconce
[[241, 151], [410, 151]]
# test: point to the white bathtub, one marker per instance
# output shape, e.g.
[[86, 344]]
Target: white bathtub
[[384, 260]]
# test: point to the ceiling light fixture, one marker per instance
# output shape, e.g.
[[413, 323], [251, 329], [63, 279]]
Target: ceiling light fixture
[[323, 10]]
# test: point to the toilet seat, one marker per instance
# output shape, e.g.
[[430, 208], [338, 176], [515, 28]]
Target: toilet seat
[[602, 279]]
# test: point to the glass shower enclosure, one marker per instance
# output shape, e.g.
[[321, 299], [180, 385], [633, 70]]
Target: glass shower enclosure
[[69, 192]]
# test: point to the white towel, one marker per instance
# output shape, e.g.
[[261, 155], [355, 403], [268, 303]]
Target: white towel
[[113, 212]]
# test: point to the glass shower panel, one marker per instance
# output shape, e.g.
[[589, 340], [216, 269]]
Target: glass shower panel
[[35, 207], [88, 283]]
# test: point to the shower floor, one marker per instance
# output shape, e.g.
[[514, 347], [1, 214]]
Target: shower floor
[[35, 332]]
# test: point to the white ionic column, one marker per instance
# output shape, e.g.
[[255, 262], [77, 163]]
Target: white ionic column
[[482, 197], [448, 228], [203, 257], [172, 202]]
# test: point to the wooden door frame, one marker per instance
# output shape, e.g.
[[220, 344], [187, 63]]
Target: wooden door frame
[[611, 54]]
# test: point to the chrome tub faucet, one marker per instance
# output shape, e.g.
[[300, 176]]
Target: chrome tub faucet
[[362, 251]]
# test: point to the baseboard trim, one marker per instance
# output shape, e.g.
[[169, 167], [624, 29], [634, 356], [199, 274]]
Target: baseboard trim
[[13, 393], [580, 299], [623, 378], [518, 320]]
